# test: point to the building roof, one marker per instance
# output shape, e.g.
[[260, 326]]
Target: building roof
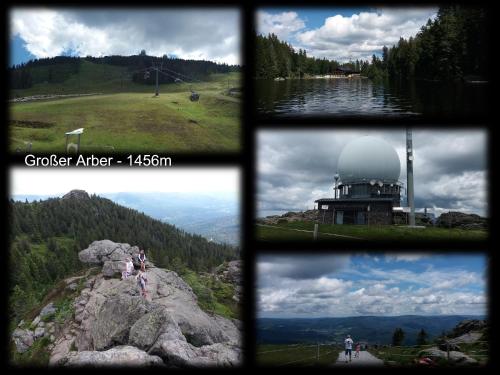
[[353, 200]]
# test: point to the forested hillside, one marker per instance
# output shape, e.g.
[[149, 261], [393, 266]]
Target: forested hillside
[[61, 68], [451, 46], [46, 237]]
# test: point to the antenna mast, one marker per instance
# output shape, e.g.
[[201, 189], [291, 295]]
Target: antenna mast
[[409, 177]]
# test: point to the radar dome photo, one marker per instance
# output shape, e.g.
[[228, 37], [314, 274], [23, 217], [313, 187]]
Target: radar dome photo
[[369, 159]]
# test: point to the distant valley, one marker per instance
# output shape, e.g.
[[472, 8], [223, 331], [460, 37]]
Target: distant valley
[[372, 329]]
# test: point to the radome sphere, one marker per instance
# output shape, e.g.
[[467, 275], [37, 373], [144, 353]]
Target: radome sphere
[[368, 159]]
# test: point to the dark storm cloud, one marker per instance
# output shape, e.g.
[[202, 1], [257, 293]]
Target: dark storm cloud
[[302, 267], [297, 167]]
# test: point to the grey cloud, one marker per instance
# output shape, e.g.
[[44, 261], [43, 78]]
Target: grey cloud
[[296, 167]]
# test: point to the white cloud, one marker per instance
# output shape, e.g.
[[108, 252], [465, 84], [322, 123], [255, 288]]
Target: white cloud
[[191, 34], [369, 291], [341, 37], [282, 25]]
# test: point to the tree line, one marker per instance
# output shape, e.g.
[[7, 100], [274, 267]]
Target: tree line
[[46, 236], [60, 68], [451, 46]]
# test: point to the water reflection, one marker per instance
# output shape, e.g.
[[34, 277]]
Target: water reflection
[[362, 97]]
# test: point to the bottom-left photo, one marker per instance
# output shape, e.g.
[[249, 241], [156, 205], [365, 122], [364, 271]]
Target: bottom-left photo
[[125, 267]]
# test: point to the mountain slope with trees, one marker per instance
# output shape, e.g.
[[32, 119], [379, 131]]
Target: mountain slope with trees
[[46, 236]]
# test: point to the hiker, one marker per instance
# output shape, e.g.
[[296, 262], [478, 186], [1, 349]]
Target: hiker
[[142, 260], [358, 348], [129, 268], [142, 282], [348, 347]]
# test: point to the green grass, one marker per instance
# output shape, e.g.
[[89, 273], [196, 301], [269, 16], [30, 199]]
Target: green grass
[[300, 355], [291, 231], [131, 119], [214, 296]]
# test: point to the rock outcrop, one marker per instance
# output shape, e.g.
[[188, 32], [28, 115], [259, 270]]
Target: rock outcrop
[[309, 215], [114, 324], [454, 356], [76, 194], [230, 273], [461, 220]]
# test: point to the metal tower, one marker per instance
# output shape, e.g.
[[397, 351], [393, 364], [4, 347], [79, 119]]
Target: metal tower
[[409, 177]]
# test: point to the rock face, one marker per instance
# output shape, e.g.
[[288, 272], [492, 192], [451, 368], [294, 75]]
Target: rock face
[[309, 215], [23, 339], [461, 220], [76, 194], [122, 355], [111, 256], [111, 314], [231, 273], [455, 356]]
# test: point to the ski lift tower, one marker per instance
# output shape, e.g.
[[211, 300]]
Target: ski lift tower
[[75, 146]]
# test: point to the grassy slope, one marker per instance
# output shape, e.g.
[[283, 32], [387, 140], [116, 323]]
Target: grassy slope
[[128, 118], [396, 233], [279, 355]]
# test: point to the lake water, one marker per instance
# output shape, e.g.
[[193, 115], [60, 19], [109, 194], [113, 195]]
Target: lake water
[[363, 97]]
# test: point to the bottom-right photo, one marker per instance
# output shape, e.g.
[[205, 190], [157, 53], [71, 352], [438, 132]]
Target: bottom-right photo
[[372, 309]]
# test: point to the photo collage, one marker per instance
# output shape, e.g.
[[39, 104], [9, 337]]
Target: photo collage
[[206, 185]]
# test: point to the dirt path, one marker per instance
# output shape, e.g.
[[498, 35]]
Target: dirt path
[[365, 359]]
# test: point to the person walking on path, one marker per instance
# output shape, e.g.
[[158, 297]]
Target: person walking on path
[[142, 260], [358, 348], [348, 347], [129, 268]]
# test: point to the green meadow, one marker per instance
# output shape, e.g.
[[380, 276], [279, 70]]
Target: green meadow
[[302, 231], [123, 116]]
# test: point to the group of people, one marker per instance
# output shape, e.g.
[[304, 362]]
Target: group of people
[[141, 274], [348, 343]]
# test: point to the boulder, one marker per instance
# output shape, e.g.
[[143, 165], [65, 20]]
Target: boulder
[[455, 356], [118, 356], [39, 332], [48, 310], [76, 194], [35, 321], [23, 339]]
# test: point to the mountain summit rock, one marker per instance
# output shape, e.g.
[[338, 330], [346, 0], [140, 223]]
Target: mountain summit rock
[[113, 325], [76, 194]]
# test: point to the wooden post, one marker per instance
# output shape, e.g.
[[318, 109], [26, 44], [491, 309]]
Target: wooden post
[[315, 235]]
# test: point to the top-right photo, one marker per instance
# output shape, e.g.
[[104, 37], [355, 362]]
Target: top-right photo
[[405, 62]]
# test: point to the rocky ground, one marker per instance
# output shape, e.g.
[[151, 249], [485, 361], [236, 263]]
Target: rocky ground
[[309, 215], [114, 325]]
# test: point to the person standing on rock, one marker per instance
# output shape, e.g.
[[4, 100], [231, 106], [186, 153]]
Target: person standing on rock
[[142, 260], [129, 269], [142, 282], [348, 347]]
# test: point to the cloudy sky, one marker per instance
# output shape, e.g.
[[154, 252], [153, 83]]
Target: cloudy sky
[[384, 285], [59, 181], [210, 34], [343, 33], [294, 168]]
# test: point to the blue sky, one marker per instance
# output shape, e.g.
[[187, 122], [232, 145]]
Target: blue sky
[[371, 284], [344, 33], [194, 33]]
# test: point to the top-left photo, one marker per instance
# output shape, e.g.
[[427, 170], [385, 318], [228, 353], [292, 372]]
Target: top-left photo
[[118, 80]]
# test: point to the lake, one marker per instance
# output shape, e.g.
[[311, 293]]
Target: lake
[[363, 97]]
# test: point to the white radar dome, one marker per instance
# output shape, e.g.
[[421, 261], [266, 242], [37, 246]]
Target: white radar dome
[[369, 159]]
